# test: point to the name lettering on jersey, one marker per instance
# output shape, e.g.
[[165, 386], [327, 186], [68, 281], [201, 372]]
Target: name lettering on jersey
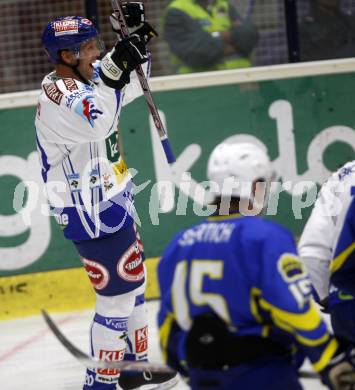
[[53, 92], [141, 336], [70, 84], [208, 232], [290, 267], [87, 110], [65, 27]]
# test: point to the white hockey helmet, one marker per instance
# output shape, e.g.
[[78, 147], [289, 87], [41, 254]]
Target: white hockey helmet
[[234, 167]]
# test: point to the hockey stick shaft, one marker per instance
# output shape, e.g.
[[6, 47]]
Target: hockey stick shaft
[[145, 87], [91, 362]]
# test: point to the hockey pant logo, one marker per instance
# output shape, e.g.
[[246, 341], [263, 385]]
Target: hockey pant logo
[[141, 337]]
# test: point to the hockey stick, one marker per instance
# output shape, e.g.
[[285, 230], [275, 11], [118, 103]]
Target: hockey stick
[[91, 362], [117, 9]]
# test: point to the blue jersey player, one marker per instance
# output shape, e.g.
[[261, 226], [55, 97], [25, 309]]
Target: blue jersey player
[[235, 298]]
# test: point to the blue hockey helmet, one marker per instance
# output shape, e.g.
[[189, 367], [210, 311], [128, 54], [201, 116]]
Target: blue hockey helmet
[[67, 33]]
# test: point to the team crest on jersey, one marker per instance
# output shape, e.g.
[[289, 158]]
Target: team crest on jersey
[[130, 265], [98, 274], [290, 267], [87, 110]]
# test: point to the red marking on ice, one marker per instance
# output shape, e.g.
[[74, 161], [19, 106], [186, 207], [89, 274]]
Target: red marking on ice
[[21, 346]]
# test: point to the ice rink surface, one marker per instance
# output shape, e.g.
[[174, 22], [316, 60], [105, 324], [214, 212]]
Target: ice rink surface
[[31, 358]]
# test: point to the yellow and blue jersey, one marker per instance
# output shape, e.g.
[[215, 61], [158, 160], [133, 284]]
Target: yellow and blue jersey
[[245, 270]]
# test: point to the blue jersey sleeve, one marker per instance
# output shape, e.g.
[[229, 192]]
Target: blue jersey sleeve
[[284, 292]]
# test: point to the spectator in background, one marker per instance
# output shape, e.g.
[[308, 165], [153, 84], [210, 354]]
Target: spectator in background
[[205, 35], [326, 32]]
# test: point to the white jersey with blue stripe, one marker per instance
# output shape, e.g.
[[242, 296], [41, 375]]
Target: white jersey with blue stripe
[[88, 185], [321, 232]]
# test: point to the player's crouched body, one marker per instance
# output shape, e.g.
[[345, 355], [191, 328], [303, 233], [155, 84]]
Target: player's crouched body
[[236, 307]]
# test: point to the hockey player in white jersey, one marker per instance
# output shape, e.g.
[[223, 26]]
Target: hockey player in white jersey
[[89, 187], [318, 244]]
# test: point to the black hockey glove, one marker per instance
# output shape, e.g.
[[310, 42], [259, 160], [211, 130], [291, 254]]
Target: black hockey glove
[[117, 65], [144, 29], [339, 374]]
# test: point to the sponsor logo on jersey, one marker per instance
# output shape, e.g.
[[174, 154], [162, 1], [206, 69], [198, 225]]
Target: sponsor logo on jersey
[[70, 84], [110, 356], [53, 92], [74, 181], [98, 274], [116, 324], [69, 100], [141, 336], [94, 178], [87, 110], [107, 181], [130, 265], [290, 267], [64, 27]]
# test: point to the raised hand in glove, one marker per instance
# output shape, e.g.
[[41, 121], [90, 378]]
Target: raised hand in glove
[[339, 374], [134, 15], [117, 65]]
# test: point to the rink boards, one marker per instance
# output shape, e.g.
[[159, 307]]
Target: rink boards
[[303, 114]]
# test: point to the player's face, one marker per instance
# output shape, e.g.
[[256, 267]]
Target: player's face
[[89, 52]]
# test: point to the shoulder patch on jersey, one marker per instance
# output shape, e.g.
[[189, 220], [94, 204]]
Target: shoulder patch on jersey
[[86, 108], [53, 92], [291, 267], [70, 85]]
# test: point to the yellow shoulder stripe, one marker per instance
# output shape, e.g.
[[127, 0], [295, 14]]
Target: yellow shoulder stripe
[[304, 321], [341, 258]]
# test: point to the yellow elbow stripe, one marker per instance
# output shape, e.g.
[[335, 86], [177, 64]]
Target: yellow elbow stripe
[[309, 320], [341, 258], [164, 332], [326, 355], [312, 343]]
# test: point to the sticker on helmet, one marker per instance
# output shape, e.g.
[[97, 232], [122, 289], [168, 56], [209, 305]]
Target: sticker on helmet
[[65, 27]]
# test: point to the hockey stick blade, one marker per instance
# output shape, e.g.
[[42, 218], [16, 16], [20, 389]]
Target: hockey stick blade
[[91, 362]]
